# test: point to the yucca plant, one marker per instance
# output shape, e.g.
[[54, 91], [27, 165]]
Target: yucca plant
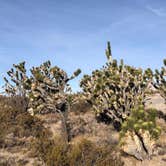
[[17, 81], [46, 89], [160, 80], [139, 133], [141, 119], [49, 88], [115, 89]]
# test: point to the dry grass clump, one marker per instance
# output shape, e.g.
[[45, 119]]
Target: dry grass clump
[[84, 153], [87, 153], [15, 121]]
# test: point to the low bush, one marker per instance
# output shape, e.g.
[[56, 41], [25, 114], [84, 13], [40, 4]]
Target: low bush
[[85, 153], [14, 119]]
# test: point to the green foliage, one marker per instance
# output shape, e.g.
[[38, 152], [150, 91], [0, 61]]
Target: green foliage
[[160, 80], [116, 88], [46, 88], [141, 119]]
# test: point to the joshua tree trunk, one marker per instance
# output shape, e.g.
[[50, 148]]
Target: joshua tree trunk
[[64, 117]]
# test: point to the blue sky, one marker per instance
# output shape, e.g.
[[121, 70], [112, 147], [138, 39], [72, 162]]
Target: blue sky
[[73, 33]]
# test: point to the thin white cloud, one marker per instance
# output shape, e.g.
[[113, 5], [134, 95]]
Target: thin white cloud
[[157, 11]]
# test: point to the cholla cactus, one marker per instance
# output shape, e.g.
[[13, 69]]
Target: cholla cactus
[[19, 82], [115, 89], [160, 81]]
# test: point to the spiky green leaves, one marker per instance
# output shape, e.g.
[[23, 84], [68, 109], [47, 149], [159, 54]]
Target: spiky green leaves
[[108, 52], [116, 88], [141, 119], [46, 88], [75, 74], [49, 87], [17, 80]]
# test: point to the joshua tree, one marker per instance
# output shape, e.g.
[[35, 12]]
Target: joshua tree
[[49, 90], [18, 83], [160, 80], [115, 89], [49, 84], [46, 89]]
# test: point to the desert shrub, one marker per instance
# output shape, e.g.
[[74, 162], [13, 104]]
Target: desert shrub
[[57, 153], [115, 89], [86, 153], [14, 119], [53, 152], [81, 153], [141, 119]]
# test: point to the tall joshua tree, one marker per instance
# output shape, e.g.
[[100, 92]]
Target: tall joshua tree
[[115, 89], [46, 89]]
